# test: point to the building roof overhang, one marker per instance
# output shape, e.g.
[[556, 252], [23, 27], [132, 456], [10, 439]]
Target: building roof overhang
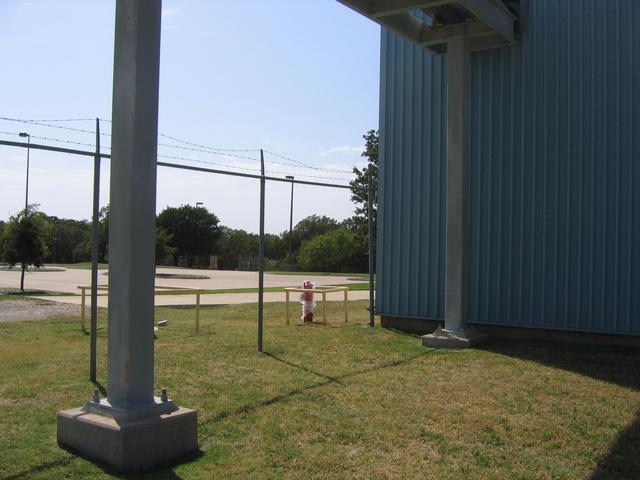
[[486, 24]]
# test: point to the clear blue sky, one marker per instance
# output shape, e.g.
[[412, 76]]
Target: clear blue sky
[[297, 77]]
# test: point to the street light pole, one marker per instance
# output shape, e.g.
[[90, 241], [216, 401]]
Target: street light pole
[[290, 177], [26, 194]]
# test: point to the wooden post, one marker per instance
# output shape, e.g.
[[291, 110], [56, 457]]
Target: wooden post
[[287, 305], [346, 307], [324, 307], [82, 308], [197, 313]]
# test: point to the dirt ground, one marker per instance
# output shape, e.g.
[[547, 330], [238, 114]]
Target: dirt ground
[[16, 310]]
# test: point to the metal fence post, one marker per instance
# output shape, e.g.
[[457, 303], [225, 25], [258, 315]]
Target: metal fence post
[[94, 256], [371, 254], [261, 255]]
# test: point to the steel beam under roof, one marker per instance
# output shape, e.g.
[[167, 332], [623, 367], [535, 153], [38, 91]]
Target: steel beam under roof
[[486, 24]]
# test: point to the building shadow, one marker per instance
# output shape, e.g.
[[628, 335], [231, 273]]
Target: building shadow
[[622, 462], [618, 365]]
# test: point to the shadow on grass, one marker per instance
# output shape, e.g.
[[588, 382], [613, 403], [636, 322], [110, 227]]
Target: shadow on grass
[[328, 380], [43, 467], [334, 324], [166, 472], [306, 369], [623, 460], [618, 365], [100, 387]]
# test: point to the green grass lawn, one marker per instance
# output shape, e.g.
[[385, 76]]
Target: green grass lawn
[[352, 287], [363, 276], [81, 265], [337, 401]]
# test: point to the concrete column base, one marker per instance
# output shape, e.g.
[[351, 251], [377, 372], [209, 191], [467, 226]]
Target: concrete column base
[[443, 338], [130, 445]]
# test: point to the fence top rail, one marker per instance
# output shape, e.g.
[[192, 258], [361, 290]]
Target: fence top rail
[[86, 153], [159, 290], [88, 287], [319, 289]]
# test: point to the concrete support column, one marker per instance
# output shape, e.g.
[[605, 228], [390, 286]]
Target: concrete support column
[[133, 203], [456, 333], [131, 429]]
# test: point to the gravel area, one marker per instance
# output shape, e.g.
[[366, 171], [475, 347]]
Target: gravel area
[[18, 310]]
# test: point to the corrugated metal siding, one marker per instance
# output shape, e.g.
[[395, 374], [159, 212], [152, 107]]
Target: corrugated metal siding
[[410, 266], [554, 173]]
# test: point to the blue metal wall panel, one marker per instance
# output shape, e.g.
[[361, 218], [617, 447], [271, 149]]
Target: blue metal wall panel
[[410, 266], [554, 173]]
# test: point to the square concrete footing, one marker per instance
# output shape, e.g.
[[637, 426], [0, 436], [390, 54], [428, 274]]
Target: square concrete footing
[[129, 446], [443, 338]]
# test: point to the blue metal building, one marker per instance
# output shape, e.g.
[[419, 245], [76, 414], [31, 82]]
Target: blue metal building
[[553, 174]]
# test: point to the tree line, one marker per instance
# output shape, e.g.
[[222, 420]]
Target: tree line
[[189, 235]]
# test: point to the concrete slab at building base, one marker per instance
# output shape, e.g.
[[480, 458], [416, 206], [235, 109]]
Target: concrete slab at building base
[[443, 338], [129, 446]]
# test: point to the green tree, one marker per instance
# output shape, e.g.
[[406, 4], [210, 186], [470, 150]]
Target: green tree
[[103, 234], [334, 251], [276, 246], [194, 231], [163, 245], [83, 250], [360, 186], [306, 229], [24, 240], [64, 238], [234, 244]]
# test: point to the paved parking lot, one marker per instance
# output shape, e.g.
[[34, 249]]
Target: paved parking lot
[[67, 281]]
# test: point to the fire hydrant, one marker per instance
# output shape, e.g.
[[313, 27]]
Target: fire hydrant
[[306, 299]]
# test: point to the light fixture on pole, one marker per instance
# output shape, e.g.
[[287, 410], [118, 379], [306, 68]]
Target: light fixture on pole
[[199, 204], [290, 177], [26, 194]]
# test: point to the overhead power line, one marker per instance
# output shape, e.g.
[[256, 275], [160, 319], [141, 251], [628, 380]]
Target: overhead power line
[[52, 120], [226, 152], [59, 140], [175, 139], [42, 124], [172, 165], [306, 165]]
